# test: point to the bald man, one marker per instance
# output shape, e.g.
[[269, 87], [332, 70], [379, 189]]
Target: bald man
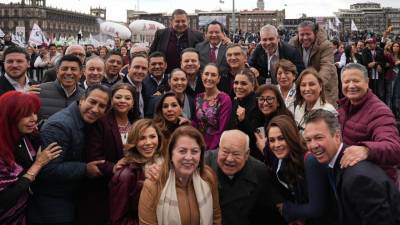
[[246, 191]]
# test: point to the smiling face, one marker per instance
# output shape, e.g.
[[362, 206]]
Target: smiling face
[[178, 82], [242, 86], [93, 106], [267, 102], [232, 154], [28, 124], [94, 71], [210, 77], [285, 78], [122, 101], [269, 41], [148, 142], [214, 34], [190, 63], [113, 65], [157, 66], [310, 89], [16, 65], [185, 156], [354, 85], [138, 70], [171, 109], [68, 74], [235, 58], [320, 142], [179, 23], [277, 143], [306, 36]]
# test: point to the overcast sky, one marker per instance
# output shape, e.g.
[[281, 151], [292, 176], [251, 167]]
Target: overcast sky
[[116, 9]]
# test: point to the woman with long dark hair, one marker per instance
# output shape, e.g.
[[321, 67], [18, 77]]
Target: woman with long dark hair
[[20, 162], [302, 181]]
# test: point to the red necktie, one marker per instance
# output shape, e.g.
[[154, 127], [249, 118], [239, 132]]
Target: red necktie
[[213, 56]]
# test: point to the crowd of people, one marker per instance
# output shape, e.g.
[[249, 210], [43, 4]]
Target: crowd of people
[[195, 129]]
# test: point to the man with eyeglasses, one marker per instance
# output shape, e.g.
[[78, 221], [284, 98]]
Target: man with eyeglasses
[[76, 50], [247, 192]]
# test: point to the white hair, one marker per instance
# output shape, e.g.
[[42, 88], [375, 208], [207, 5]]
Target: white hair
[[236, 132]]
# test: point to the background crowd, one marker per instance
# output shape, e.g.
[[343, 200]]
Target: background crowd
[[202, 128]]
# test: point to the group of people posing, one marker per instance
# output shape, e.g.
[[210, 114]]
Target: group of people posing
[[196, 132]]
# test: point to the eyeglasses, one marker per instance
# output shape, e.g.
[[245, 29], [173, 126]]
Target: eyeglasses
[[269, 99]]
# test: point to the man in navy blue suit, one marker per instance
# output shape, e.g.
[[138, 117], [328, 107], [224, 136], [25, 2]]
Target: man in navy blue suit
[[364, 193]]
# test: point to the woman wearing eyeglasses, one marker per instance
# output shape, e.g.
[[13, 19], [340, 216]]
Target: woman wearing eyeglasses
[[269, 104]]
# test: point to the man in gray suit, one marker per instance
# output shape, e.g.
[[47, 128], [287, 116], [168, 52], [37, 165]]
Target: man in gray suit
[[213, 49]]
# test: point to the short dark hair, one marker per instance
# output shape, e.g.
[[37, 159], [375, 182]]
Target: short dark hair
[[323, 115], [113, 52], [139, 56], [16, 49], [214, 22], [178, 12], [308, 23], [157, 54], [99, 87], [190, 50], [70, 58], [52, 45]]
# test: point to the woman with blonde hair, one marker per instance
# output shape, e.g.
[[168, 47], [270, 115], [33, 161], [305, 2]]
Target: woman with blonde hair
[[144, 148], [187, 190]]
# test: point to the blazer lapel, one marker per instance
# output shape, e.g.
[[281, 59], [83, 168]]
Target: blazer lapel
[[165, 39]]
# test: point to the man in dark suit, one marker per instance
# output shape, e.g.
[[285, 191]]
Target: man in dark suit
[[137, 72], [213, 49], [266, 55], [171, 41], [364, 193], [16, 64], [373, 58], [190, 64], [247, 194]]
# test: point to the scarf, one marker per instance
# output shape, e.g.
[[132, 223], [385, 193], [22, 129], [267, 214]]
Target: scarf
[[168, 210]]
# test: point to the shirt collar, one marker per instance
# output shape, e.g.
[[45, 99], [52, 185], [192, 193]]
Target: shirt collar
[[218, 45], [333, 161], [16, 85]]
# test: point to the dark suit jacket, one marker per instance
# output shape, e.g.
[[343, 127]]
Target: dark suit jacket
[[259, 60], [250, 197], [136, 104], [204, 50], [5, 85], [367, 58], [366, 194], [161, 40]]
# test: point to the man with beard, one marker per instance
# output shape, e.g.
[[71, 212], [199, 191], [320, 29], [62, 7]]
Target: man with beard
[[172, 41], [113, 68], [16, 64]]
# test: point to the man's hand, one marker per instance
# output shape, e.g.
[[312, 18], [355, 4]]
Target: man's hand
[[260, 141], [353, 155], [92, 170], [34, 89]]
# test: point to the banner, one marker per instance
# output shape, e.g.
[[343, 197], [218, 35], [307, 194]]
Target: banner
[[353, 26], [17, 40], [37, 37]]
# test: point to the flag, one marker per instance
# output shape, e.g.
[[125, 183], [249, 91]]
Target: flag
[[353, 26], [337, 21], [37, 37], [2, 34], [330, 26], [16, 39]]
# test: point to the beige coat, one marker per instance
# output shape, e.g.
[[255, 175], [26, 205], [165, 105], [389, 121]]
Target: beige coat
[[321, 59], [187, 202]]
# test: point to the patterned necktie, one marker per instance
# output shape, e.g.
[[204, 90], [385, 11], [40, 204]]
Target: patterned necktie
[[213, 56]]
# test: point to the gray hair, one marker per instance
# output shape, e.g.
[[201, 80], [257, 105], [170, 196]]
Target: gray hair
[[68, 50], [269, 29], [233, 45], [355, 66], [323, 115], [236, 132]]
